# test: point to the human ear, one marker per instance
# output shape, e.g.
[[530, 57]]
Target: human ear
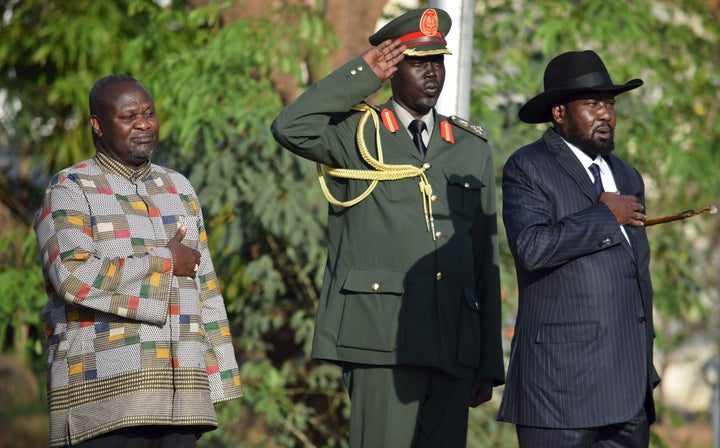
[[558, 113], [95, 124]]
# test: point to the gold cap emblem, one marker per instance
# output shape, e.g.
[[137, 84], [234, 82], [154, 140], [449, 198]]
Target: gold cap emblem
[[429, 22]]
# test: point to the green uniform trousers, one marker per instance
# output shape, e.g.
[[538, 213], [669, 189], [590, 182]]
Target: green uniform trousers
[[406, 406]]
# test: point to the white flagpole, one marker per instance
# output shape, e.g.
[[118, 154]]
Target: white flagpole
[[455, 98]]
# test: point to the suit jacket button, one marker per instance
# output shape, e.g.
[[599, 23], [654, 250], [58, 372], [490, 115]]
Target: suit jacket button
[[605, 242], [641, 320], [375, 286]]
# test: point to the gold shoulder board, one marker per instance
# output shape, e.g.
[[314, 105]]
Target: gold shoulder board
[[470, 127]]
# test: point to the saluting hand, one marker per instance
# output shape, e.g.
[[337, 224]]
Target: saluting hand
[[627, 209], [384, 58], [185, 259]]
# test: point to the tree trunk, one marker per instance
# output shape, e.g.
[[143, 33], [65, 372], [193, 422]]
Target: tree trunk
[[354, 21]]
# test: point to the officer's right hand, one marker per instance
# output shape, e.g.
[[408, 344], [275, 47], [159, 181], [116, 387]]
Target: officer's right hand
[[185, 259], [384, 58]]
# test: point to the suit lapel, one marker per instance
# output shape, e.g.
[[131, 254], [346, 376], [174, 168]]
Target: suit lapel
[[570, 163], [578, 173], [622, 182], [622, 177]]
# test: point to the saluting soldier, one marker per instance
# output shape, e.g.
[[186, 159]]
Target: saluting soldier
[[410, 305]]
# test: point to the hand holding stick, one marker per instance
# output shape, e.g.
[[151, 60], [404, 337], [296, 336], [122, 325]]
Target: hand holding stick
[[682, 215]]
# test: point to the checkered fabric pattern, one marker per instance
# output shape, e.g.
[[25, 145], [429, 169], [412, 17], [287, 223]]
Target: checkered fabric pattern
[[128, 343]]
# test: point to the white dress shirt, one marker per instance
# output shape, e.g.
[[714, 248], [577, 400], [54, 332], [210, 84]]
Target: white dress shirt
[[406, 118], [606, 174]]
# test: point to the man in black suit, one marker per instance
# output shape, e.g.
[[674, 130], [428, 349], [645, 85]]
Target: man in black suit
[[581, 371]]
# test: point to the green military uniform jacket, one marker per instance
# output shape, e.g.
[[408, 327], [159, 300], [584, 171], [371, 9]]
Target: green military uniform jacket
[[392, 294]]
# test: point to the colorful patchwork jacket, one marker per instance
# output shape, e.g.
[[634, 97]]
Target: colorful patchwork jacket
[[128, 342]]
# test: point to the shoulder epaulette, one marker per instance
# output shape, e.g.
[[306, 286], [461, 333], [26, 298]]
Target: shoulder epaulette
[[470, 127]]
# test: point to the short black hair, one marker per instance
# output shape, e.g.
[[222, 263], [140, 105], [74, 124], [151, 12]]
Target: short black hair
[[98, 90]]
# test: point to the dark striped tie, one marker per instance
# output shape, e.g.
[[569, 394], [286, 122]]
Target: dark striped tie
[[595, 170]]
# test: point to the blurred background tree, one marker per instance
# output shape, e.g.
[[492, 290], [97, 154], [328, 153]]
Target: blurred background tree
[[221, 70]]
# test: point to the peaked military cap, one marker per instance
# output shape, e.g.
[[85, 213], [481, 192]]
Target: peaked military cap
[[422, 30]]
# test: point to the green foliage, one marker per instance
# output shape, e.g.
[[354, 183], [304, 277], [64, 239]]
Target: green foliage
[[23, 293], [485, 432], [51, 54]]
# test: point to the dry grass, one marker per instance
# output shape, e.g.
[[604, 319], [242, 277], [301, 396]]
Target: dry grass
[[696, 434]]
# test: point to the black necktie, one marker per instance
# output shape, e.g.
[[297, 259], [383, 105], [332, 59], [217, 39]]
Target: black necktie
[[416, 127], [595, 170]]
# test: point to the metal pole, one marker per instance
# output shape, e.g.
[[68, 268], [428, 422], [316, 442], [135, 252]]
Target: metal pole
[[711, 374], [455, 98], [716, 415]]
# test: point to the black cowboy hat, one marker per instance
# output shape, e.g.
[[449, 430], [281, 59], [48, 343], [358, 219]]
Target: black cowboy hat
[[567, 74]]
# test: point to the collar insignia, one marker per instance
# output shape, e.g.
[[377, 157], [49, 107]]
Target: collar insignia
[[388, 119], [446, 132]]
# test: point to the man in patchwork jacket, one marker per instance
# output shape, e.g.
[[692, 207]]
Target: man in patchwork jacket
[[138, 342]]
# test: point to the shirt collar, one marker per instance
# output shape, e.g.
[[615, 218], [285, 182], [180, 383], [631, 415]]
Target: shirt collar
[[585, 159], [406, 117], [113, 165]]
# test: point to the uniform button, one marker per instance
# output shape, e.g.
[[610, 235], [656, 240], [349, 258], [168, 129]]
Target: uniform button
[[352, 72], [438, 235], [359, 68], [375, 286], [426, 165], [438, 276], [466, 185], [477, 305], [434, 198], [641, 320]]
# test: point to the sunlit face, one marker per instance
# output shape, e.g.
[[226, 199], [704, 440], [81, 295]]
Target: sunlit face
[[418, 82], [588, 122], [126, 128]]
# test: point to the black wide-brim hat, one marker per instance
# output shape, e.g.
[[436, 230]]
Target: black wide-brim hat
[[567, 74], [423, 31]]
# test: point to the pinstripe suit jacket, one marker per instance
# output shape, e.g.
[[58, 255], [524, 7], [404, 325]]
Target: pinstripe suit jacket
[[582, 350]]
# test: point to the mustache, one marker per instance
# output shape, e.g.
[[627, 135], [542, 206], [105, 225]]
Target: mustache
[[604, 128], [144, 138]]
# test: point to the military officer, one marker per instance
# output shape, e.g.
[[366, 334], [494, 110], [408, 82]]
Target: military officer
[[410, 303]]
